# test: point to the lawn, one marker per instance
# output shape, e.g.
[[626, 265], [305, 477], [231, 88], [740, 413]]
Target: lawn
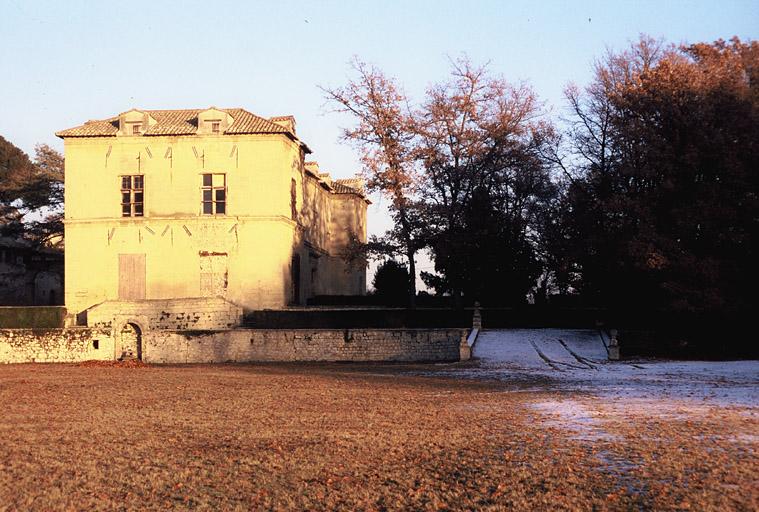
[[347, 437]]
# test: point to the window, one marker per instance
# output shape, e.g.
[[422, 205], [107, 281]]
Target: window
[[132, 196], [136, 129], [214, 194], [212, 126]]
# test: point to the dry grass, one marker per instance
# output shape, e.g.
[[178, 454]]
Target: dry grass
[[338, 437]]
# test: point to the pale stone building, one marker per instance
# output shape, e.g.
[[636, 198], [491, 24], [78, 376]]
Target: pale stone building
[[172, 204]]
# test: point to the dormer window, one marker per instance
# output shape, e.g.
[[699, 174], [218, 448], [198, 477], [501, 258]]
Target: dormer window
[[214, 121], [135, 122]]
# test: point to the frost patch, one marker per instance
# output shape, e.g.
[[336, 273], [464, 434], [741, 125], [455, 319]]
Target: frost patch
[[570, 415]]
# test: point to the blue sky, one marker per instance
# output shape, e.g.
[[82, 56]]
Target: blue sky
[[65, 62]]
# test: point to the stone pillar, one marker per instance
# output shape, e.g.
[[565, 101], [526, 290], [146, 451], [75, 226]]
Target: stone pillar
[[465, 351], [477, 317], [613, 346]]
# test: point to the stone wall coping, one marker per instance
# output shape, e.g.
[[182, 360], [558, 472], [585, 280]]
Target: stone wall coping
[[472, 338], [358, 308], [156, 301], [334, 329], [77, 328], [34, 307]]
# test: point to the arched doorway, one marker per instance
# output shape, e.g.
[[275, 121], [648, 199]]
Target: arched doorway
[[131, 342]]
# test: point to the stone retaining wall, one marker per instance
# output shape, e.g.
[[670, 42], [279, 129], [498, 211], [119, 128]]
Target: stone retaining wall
[[55, 345], [237, 345], [194, 313], [358, 345]]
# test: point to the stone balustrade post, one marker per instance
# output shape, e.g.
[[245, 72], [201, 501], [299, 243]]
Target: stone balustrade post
[[465, 351], [613, 345], [477, 317]]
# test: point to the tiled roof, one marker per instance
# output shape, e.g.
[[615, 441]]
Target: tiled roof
[[104, 128], [178, 122], [349, 186]]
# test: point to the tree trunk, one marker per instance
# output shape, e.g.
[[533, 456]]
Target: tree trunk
[[411, 277], [410, 252]]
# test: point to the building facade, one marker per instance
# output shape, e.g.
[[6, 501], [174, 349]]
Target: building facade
[[164, 204]]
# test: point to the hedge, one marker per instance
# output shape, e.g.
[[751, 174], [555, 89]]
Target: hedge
[[31, 317]]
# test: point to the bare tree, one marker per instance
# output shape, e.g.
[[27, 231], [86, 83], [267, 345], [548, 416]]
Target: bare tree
[[593, 109], [383, 134], [664, 205], [475, 135]]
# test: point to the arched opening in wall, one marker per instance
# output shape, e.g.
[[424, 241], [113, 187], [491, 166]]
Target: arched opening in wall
[[131, 342]]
